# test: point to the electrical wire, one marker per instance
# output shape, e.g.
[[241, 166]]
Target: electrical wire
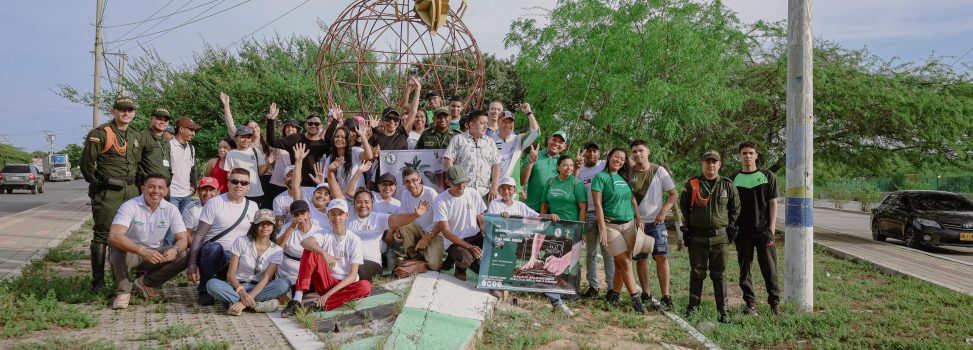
[[267, 24], [163, 16], [156, 24], [140, 24], [961, 57], [142, 43], [178, 26]]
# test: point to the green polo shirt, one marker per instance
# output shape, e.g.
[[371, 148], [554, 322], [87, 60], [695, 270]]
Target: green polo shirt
[[616, 196], [544, 169], [562, 197]]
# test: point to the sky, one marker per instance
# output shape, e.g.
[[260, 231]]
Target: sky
[[48, 43]]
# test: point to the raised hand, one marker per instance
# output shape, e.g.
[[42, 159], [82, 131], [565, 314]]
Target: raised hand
[[532, 155], [225, 99], [365, 166], [422, 207], [272, 115], [373, 121], [362, 132], [335, 164], [525, 107], [300, 152], [319, 174]]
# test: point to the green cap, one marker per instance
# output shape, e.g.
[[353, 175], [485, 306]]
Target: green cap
[[561, 134], [160, 112], [457, 175], [440, 110], [711, 154], [124, 102]]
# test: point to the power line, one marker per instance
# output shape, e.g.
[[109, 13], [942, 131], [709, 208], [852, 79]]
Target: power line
[[268, 23], [139, 25], [178, 26], [156, 24], [167, 32], [163, 16], [961, 57]]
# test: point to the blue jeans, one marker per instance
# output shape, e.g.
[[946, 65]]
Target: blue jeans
[[661, 236], [592, 242], [554, 298], [213, 262], [181, 203], [223, 290]]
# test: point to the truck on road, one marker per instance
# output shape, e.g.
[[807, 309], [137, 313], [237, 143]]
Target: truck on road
[[57, 167]]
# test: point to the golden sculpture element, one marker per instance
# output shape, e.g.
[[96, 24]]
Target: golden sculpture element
[[435, 12]]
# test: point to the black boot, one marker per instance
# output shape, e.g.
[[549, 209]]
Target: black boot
[[612, 298], [724, 318], [691, 310], [98, 251]]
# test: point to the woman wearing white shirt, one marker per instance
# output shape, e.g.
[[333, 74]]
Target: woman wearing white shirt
[[247, 157], [300, 228], [353, 156], [250, 282], [371, 227]]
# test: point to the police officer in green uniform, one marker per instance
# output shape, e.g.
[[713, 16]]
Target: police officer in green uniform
[[109, 163], [710, 205], [155, 154], [439, 135]]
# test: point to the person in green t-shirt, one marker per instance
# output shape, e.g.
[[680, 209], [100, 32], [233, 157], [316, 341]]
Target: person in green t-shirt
[[538, 168], [618, 223], [565, 195]]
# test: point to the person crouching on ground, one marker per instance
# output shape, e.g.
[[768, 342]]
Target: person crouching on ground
[[250, 281], [136, 237], [330, 263]]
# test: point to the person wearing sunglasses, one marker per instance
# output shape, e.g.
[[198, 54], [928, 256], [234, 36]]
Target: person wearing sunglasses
[[223, 219], [314, 138], [250, 282]]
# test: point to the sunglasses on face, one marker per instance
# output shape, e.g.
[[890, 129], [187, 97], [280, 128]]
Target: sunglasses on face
[[239, 182], [312, 124]]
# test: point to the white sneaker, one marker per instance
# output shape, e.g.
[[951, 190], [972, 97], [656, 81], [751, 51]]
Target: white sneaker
[[267, 306], [563, 308], [121, 301]]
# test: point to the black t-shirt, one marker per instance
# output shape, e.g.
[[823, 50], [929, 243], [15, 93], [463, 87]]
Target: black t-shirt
[[398, 141], [756, 190], [316, 150]]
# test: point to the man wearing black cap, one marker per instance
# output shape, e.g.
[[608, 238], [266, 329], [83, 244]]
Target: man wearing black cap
[[109, 163], [439, 135], [433, 100], [710, 204], [155, 155], [183, 158], [395, 134], [589, 164]]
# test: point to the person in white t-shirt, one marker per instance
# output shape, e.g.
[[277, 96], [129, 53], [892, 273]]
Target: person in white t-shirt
[[282, 202], [222, 221], [385, 201], [248, 158], [587, 166], [458, 213], [512, 145], [353, 156], [648, 193], [326, 189], [137, 234], [207, 189], [296, 231], [371, 228], [419, 239], [250, 278], [330, 263]]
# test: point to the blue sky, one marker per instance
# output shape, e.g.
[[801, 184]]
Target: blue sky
[[46, 43]]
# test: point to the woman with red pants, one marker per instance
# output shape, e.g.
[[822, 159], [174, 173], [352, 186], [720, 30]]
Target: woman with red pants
[[330, 264]]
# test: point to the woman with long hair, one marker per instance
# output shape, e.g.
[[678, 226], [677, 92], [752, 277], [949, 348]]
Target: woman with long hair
[[618, 223], [250, 278], [343, 147], [565, 195], [418, 126], [214, 166]]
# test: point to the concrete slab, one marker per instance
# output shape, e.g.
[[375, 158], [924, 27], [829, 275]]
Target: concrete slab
[[297, 336], [365, 344], [423, 329], [445, 294]]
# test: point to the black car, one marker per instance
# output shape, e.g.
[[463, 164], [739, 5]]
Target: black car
[[924, 218]]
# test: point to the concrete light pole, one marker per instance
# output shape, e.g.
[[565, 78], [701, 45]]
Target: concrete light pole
[[799, 222]]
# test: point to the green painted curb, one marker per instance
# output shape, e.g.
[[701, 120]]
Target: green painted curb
[[364, 344], [442, 331]]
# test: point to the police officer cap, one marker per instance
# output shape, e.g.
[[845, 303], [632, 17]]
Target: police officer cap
[[124, 102], [711, 155]]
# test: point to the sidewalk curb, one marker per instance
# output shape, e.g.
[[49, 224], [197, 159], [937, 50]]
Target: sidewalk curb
[[920, 251], [297, 336], [709, 344], [849, 211], [41, 253]]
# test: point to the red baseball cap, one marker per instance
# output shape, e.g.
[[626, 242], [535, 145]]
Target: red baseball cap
[[209, 181]]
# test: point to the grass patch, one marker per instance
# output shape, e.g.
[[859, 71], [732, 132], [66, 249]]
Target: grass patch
[[205, 345], [518, 330], [166, 336], [855, 307], [41, 299], [59, 343], [307, 319]]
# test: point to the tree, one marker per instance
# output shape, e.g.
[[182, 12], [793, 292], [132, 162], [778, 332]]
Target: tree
[[10, 154], [74, 153]]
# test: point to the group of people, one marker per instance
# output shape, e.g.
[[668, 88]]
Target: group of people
[[312, 211]]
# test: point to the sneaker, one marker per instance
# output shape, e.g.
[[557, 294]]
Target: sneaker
[[724, 318], [266, 306], [751, 311], [646, 298], [667, 303], [591, 293], [291, 308], [775, 310], [460, 275], [121, 301], [637, 305], [205, 299], [147, 292], [563, 308], [691, 310], [612, 298]]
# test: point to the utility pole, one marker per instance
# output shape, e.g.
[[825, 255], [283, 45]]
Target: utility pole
[[799, 221], [50, 138], [99, 53]]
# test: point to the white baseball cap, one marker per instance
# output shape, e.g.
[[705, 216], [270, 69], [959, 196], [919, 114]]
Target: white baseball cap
[[288, 169], [507, 180], [340, 204]]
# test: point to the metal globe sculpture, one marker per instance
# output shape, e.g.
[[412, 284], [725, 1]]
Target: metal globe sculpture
[[374, 46]]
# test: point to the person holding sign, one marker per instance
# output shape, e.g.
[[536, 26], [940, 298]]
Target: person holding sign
[[619, 224]]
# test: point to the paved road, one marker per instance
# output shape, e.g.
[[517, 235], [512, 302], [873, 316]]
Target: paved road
[[858, 225], [53, 192]]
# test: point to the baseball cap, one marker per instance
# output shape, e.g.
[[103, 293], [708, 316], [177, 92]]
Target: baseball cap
[[457, 175], [508, 181], [322, 185], [293, 123], [389, 110], [506, 115], [263, 215], [124, 102], [387, 177], [711, 154], [592, 144], [160, 112], [440, 110], [288, 169], [185, 122], [243, 130], [300, 205], [208, 181], [432, 93], [339, 204], [561, 134], [170, 130]]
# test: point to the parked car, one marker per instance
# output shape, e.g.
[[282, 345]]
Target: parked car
[[21, 176], [924, 218]]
